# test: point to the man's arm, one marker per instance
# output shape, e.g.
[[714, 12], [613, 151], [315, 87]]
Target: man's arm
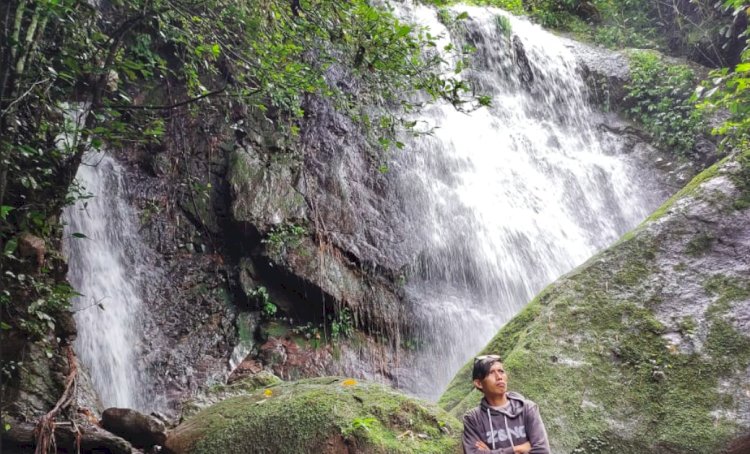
[[473, 441], [535, 431]]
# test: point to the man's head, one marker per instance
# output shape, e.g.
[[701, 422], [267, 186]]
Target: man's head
[[489, 375]]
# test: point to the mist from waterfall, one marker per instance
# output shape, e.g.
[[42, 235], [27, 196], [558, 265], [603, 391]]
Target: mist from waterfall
[[106, 266], [506, 198]]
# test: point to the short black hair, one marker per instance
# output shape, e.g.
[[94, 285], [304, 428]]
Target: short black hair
[[482, 366]]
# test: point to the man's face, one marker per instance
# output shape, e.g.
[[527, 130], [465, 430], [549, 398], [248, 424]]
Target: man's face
[[495, 383]]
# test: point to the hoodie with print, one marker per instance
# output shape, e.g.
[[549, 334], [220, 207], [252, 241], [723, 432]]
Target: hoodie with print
[[503, 429]]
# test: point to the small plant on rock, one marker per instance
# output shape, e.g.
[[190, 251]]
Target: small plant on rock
[[342, 325], [267, 308], [284, 237]]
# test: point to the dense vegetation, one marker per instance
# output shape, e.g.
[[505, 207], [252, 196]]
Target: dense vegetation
[[705, 31]]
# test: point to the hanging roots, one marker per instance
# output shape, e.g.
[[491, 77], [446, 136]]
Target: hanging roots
[[45, 428]]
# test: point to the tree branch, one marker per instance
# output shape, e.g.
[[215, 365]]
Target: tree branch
[[172, 106]]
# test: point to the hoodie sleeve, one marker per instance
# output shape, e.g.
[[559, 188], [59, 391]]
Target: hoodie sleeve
[[535, 431], [472, 434]]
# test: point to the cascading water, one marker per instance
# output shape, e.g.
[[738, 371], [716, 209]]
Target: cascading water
[[106, 268], [508, 197]]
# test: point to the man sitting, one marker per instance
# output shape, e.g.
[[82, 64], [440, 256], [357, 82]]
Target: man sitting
[[504, 422]]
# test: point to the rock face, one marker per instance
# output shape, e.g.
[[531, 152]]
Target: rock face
[[143, 431], [650, 337], [322, 415]]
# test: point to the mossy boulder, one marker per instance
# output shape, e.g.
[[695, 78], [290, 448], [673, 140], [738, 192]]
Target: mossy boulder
[[322, 415], [220, 392], [646, 347]]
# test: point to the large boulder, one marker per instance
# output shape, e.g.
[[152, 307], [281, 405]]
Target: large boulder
[[142, 431], [321, 415], [646, 347]]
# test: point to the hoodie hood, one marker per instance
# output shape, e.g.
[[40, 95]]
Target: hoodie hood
[[515, 409]]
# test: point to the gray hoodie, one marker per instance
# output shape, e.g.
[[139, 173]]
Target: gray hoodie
[[501, 430]]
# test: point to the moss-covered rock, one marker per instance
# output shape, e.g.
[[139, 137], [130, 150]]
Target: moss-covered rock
[[220, 392], [645, 347], [322, 415], [264, 190]]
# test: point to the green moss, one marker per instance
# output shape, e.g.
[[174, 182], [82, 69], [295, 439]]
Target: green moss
[[727, 289], [303, 416], [689, 190], [699, 245]]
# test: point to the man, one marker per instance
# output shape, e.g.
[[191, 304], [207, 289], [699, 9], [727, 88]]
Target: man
[[504, 422]]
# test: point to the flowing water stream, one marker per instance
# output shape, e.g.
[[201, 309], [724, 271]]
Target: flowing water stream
[[510, 196], [107, 267]]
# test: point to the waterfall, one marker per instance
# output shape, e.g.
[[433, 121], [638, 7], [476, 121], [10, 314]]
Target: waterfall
[[508, 198], [106, 268]]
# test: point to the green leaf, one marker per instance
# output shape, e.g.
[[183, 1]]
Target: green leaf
[[10, 247], [5, 326], [78, 235], [5, 211]]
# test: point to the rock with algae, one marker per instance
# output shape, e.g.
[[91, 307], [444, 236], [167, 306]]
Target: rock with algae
[[322, 415]]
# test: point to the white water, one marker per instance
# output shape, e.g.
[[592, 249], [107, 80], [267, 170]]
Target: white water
[[512, 196], [107, 267]]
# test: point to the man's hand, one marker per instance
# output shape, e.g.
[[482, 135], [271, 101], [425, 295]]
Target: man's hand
[[483, 447], [522, 448]]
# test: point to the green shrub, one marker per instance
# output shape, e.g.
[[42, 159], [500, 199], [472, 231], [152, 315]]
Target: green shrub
[[662, 100]]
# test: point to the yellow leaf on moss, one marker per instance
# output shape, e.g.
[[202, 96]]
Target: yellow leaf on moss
[[268, 393], [349, 382]]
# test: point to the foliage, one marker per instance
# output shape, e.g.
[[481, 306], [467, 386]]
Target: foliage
[[360, 423], [267, 308], [513, 6], [504, 26], [661, 97], [342, 324], [309, 331], [283, 237], [729, 89]]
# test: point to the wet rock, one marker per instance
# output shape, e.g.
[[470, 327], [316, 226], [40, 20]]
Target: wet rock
[[527, 75], [291, 361], [143, 431], [65, 327], [33, 249], [247, 368], [323, 415], [37, 376], [740, 445], [265, 190]]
